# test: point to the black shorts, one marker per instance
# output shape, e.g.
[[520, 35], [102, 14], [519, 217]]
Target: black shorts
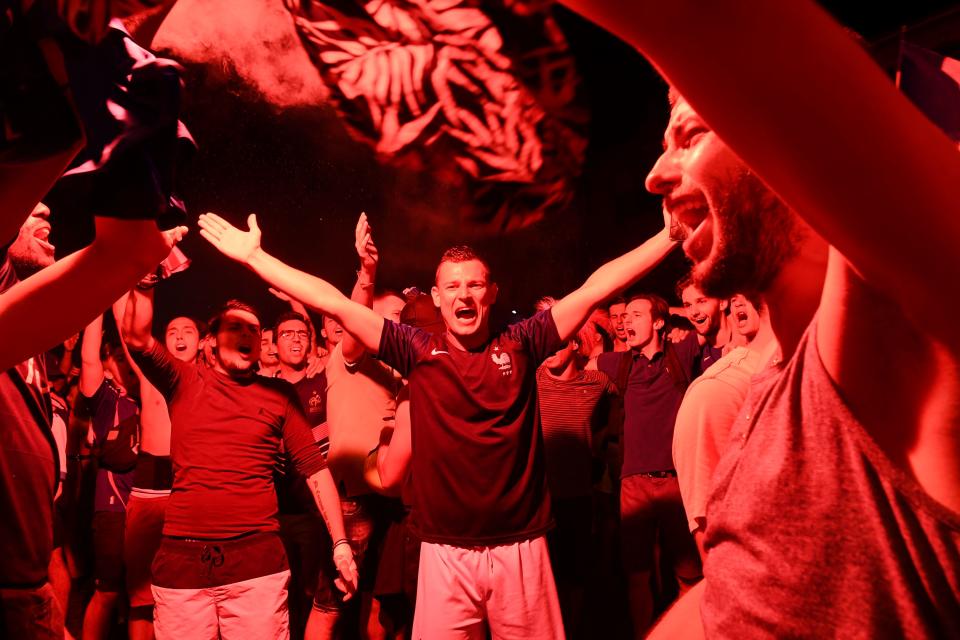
[[108, 530]]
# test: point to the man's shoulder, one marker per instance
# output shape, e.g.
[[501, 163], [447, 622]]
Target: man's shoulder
[[609, 360]]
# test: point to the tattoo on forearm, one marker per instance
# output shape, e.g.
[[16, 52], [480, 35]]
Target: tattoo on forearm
[[314, 484]]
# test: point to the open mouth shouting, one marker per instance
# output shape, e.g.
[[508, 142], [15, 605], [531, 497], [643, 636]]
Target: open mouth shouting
[[42, 236], [467, 314], [742, 318]]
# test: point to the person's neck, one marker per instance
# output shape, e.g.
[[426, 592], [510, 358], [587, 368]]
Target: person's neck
[[470, 342], [724, 333], [292, 373], [653, 346], [620, 346], [566, 373], [794, 296], [764, 341], [236, 375]]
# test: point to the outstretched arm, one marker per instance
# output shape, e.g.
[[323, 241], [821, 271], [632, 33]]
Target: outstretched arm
[[573, 310], [244, 247], [79, 286], [363, 288], [817, 119]]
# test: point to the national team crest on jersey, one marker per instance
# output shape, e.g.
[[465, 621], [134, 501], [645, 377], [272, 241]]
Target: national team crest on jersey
[[315, 403], [502, 360]]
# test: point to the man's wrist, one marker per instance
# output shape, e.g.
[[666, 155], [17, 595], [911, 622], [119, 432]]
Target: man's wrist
[[256, 256], [366, 278]]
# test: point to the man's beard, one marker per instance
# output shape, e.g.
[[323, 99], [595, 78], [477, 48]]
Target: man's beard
[[756, 235], [26, 261]]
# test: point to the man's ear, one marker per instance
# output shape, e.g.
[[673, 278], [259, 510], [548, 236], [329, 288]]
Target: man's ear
[[725, 304], [658, 325], [435, 294], [494, 291]]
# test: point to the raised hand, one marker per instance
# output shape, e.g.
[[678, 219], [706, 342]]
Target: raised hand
[[229, 240], [172, 237], [366, 249]]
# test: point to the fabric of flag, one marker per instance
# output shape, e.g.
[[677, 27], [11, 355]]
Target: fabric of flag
[[434, 80], [932, 82]]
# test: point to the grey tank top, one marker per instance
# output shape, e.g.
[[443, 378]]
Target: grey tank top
[[813, 533]]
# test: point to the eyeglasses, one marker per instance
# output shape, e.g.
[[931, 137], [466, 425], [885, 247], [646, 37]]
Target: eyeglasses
[[287, 334]]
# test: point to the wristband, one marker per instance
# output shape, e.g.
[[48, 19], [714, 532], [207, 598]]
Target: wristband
[[340, 541]]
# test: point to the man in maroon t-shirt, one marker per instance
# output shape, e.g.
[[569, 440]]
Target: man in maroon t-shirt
[[480, 502], [221, 568]]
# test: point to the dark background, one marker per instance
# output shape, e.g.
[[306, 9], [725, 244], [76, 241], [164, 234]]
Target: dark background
[[308, 180]]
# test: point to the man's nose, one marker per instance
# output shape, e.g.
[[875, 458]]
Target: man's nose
[[665, 174]]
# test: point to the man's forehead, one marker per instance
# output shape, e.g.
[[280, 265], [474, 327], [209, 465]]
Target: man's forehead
[[466, 270], [691, 292], [239, 315], [181, 323], [641, 304], [292, 323]]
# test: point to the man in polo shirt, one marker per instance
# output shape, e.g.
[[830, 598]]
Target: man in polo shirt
[[652, 377], [221, 568], [479, 490]]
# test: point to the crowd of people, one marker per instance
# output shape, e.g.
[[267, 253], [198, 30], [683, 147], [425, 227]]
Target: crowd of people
[[777, 457]]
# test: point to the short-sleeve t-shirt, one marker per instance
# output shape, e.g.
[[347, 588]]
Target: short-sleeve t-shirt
[[28, 466], [293, 494], [225, 442], [106, 406], [477, 469]]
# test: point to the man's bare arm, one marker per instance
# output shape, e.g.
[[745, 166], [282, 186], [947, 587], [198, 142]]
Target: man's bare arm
[[325, 494], [682, 620], [137, 320], [573, 310], [91, 367], [79, 287], [393, 456], [363, 288], [825, 129], [244, 247]]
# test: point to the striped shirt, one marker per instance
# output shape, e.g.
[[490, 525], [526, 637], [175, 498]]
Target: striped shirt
[[571, 411]]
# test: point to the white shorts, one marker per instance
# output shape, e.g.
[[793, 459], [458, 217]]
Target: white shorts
[[255, 608], [508, 588]]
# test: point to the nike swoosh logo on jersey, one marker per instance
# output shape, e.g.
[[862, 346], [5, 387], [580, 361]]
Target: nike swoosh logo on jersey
[[434, 352]]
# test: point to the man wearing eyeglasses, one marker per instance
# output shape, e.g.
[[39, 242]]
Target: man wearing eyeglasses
[[301, 526]]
